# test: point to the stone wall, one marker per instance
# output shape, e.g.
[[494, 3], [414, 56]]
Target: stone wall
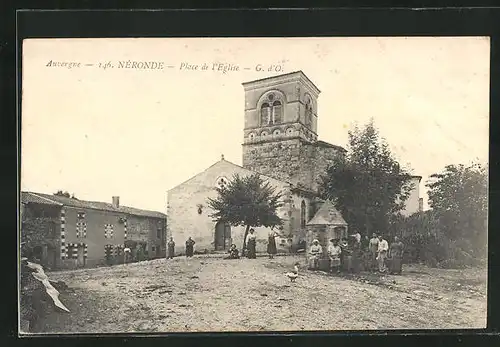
[[42, 232], [147, 230], [292, 160], [324, 157]]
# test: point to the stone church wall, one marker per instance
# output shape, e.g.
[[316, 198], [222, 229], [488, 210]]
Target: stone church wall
[[184, 219], [292, 160], [280, 160]]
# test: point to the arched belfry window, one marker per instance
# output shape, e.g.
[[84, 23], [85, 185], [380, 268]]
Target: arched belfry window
[[265, 113], [308, 113], [271, 110], [303, 215], [277, 112]]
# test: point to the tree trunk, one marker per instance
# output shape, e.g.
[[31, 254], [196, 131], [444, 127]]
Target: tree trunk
[[245, 240]]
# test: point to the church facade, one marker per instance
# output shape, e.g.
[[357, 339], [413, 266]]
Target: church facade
[[280, 143]]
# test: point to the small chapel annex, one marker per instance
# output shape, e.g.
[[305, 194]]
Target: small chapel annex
[[280, 143]]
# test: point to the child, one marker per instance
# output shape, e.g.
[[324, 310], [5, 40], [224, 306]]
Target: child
[[233, 252]]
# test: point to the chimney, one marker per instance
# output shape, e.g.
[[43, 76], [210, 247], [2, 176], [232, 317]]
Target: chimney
[[420, 204], [116, 201]]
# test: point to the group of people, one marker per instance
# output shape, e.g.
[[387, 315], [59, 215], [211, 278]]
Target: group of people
[[189, 248], [375, 254], [251, 244], [249, 251]]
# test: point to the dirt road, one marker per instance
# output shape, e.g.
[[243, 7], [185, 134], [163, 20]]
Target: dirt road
[[211, 294]]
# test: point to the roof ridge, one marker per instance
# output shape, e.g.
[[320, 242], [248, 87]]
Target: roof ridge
[[261, 174], [230, 162], [44, 198], [109, 205]]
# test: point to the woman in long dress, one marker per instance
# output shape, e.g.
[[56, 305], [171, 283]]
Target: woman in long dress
[[251, 243], [314, 254], [396, 253], [190, 247], [171, 248], [383, 248], [271, 245], [334, 252]]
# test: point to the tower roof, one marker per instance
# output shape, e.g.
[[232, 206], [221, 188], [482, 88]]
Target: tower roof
[[279, 79], [327, 215]]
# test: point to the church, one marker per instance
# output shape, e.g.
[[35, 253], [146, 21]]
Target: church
[[280, 143]]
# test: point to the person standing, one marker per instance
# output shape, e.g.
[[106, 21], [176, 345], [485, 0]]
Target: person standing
[[139, 253], [396, 253], [383, 247], [373, 247], [314, 254], [190, 247], [170, 248], [127, 255], [271, 244], [356, 254], [334, 252], [251, 243]]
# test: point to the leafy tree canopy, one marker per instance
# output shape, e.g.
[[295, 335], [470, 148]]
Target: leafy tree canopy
[[368, 185], [459, 197], [247, 201]]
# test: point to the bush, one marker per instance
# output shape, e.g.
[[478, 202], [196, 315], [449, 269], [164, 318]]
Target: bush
[[426, 243]]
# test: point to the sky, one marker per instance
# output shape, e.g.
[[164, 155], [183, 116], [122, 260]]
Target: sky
[[99, 132]]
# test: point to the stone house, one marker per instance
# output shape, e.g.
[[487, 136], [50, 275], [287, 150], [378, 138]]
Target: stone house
[[67, 233], [280, 143]]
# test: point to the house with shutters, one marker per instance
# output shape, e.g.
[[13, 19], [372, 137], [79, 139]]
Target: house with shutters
[[65, 232]]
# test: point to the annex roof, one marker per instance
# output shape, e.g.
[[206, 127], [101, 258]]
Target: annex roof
[[48, 199], [327, 215]]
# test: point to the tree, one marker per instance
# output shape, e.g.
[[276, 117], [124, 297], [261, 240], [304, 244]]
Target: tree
[[368, 185], [247, 201], [65, 194], [459, 198]]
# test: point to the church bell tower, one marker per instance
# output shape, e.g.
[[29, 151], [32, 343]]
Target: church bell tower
[[280, 121]]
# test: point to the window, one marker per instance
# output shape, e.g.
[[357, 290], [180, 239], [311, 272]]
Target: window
[[52, 229], [80, 215], [265, 113], [158, 233], [271, 111], [108, 231], [81, 229], [221, 182], [277, 110], [303, 215], [308, 113], [152, 248]]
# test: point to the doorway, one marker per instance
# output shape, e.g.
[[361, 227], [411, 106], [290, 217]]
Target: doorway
[[80, 257], [222, 236]]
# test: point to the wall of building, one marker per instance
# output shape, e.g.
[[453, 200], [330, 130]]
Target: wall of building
[[412, 204], [280, 160], [294, 90], [40, 233], [323, 158], [145, 230], [95, 233], [291, 160], [184, 219]]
